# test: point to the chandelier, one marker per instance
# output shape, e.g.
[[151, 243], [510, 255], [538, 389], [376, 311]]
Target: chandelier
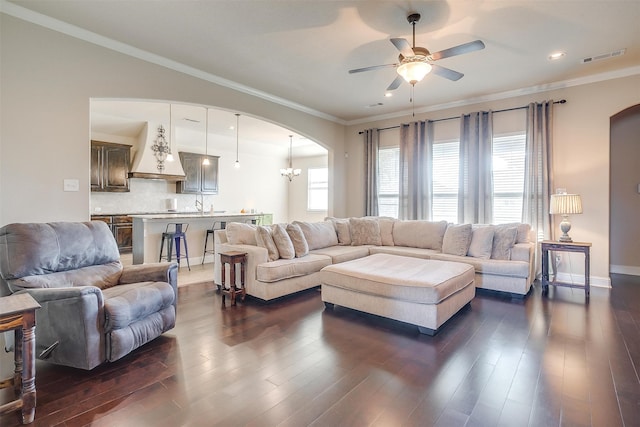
[[290, 172]]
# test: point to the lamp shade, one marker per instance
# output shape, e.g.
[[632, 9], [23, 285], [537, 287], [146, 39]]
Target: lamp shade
[[565, 204], [413, 72]]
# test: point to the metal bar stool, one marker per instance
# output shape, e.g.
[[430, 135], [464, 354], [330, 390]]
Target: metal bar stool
[[173, 235], [223, 225]]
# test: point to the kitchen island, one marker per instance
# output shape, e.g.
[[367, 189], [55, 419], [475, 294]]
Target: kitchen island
[[148, 229]]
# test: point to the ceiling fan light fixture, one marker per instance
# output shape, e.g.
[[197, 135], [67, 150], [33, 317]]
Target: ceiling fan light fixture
[[413, 72]]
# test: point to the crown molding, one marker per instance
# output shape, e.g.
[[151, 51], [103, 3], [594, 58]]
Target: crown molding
[[28, 15], [594, 78]]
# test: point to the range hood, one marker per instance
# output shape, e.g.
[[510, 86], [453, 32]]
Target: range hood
[[145, 163]]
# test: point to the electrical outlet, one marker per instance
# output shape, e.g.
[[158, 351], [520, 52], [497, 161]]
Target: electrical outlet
[[558, 258]]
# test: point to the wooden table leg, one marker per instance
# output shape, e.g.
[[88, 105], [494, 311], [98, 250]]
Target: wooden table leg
[[232, 286], [28, 392], [222, 281]]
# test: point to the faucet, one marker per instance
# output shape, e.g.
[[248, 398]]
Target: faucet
[[199, 203]]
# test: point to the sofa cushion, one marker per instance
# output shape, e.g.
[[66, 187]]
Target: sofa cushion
[[241, 234], [287, 268], [457, 239], [419, 234], [126, 304], [101, 276], [386, 230], [283, 241], [403, 250], [524, 231], [265, 240], [342, 230], [503, 240], [365, 231], [481, 242], [496, 267], [343, 253], [297, 238], [318, 234]]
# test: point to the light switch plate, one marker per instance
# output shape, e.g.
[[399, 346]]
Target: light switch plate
[[71, 185]]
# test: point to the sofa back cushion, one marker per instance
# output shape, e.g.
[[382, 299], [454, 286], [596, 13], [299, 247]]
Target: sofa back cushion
[[318, 234], [241, 234], [33, 249], [386, 230], [504, 238], [419, 234]]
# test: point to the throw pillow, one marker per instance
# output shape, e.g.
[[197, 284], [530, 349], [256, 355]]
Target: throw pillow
[[419, 234], [241, 234], [503, 240], [386, 230], [457, 239], [265, 240], [283, 241], [318, 234], [523, 231], [365, 231], [481, 242], [342, 230], [297, 238]]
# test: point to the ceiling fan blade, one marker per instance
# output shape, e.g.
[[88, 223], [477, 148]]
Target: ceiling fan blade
[[457, 50], [373, 67], [446, 73], [394, 84], [403, 46]]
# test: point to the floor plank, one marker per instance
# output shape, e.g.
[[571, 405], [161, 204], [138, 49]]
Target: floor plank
[[546, 361]]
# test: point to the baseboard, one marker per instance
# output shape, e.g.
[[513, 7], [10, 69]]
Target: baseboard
[[625, 269], [599, 282]]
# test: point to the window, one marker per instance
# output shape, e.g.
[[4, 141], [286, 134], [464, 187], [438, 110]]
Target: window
[[318, 189], [388, 181], [508, 177], [445, 181]]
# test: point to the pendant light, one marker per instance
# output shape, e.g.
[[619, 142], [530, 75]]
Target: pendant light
[[205, 161], [237, 164], [290, 172]]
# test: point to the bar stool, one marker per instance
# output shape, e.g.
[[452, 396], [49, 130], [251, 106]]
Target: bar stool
[[223, 225], [232, 258], [174, 234]]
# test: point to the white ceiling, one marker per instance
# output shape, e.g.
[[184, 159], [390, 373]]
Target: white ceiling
[[300, 51]]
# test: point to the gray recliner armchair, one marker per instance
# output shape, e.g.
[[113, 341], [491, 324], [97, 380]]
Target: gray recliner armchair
[[93, 309]]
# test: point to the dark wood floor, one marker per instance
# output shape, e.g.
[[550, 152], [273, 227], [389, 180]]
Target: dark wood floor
[[544, 361]]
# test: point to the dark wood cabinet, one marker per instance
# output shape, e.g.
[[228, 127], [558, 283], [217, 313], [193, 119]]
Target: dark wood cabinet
[[110, 166], [122, 228], [199, 178]]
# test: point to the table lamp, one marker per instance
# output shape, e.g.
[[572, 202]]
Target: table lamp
[[565, 204]]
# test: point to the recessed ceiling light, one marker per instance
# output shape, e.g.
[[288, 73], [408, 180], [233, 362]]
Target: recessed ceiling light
[[388, 94], [554, 56]]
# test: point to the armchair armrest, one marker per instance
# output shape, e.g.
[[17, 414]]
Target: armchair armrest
[[74, 318], [156, 272]]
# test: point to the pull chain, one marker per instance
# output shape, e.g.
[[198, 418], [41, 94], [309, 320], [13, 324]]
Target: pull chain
[[413, 105]]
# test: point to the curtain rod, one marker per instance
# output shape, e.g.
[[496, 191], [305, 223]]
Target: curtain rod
[[562, 101]]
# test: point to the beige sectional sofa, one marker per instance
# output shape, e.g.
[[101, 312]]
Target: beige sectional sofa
[[287, 258]]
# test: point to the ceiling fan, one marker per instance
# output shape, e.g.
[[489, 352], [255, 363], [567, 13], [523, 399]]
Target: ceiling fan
[[416, 62]]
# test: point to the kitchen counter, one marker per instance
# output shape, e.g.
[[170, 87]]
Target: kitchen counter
[[148, 229]]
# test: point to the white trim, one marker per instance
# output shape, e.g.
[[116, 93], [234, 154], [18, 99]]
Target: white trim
[[631, 270], [578, 279], [91, 37], [610, 75]]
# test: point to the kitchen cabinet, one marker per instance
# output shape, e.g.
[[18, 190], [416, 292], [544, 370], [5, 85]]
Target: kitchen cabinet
[[109, 166], [199, 178], [122, 228]]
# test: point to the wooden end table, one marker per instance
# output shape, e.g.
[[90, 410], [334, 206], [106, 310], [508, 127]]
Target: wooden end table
[[553, 246], [233, 258], [18, 313]]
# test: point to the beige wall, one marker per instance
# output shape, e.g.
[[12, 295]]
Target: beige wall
[[581, 156], [47, 80]]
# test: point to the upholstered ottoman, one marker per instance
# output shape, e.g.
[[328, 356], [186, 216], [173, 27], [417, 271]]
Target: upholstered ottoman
[[418, 291]]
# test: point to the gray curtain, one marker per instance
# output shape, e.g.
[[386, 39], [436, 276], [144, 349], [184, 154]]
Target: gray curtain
[[416, 148], [538, 172], [475, 185], [372, 144]]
